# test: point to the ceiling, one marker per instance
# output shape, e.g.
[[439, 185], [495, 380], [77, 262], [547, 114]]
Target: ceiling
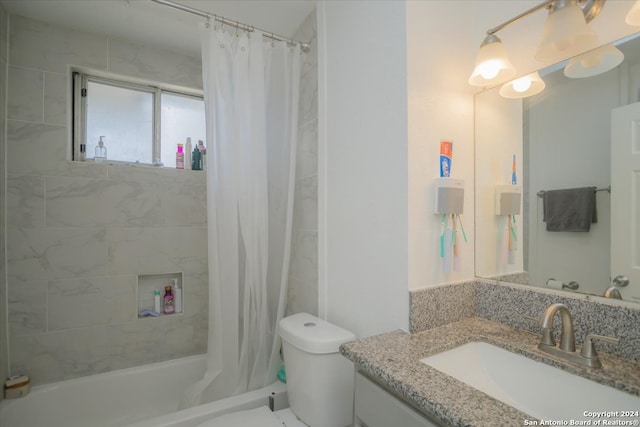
[[156, 25]]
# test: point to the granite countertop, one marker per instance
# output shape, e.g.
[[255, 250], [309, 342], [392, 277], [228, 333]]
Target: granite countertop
[[393, 360]]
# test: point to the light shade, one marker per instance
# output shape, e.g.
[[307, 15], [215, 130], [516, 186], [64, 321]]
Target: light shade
[[523, 87], [595, 62], [565, 33], [492, 63], [633, 16]]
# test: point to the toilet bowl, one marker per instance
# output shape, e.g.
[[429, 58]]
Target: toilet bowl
[[320, 381]]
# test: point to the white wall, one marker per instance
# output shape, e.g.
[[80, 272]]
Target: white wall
[[440, 107], [363, 165]]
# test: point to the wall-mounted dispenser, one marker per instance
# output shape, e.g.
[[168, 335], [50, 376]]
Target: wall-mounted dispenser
[[449, 202], [508, 199], [449, 196]]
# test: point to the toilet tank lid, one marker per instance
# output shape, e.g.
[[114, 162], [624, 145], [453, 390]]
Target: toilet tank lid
[[312, 334]]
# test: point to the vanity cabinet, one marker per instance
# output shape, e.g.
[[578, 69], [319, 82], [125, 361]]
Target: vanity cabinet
[[376, 407]]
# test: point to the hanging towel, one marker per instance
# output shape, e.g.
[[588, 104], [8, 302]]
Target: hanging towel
[[571, 209]]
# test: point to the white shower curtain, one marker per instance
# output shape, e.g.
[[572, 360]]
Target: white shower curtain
[[251, 103]]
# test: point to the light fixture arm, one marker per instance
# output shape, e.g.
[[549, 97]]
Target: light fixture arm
[[590, 8], [523, 15]]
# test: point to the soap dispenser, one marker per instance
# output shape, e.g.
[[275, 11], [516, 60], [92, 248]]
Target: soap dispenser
[[101, 151]]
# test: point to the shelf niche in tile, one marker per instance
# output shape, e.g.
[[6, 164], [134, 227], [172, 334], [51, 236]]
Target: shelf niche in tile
[[148, 283]]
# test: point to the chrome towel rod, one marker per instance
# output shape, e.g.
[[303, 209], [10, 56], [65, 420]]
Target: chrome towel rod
[[608, 190], [304, 46]]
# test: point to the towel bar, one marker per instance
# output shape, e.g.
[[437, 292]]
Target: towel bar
[[608, 190]]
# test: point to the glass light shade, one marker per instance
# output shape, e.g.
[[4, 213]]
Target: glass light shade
[[492, 64], [595, 62], [633, 16], [523, 87], [565, 34]]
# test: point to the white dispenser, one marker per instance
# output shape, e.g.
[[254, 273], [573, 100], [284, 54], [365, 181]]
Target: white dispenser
[[449, 196], [508, 199]]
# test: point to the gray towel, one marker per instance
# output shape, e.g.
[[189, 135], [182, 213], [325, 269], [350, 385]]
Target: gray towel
[[572, 209]]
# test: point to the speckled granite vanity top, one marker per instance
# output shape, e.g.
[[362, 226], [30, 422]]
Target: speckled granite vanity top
[[393, 360]]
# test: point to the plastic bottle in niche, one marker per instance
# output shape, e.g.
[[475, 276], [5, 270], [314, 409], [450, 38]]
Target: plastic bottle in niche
[[180, 157], [177, 296], [196, 163], [169, 303], [101, 151], [203, 155], [156, 301], [187, 154]]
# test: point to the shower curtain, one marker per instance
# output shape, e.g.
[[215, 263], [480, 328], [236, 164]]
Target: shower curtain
[[251, 103]]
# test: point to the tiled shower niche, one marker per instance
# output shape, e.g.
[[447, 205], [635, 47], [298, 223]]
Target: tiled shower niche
[[148, 283]]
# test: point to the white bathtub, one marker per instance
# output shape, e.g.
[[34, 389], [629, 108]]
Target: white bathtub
[[145, 396]]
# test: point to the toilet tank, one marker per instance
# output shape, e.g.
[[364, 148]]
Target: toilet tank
[[320, 381]]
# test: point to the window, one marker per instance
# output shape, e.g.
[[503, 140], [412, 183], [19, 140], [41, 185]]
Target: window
[[139, 123]]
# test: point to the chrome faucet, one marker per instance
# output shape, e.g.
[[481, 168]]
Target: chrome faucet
[[567, 349]]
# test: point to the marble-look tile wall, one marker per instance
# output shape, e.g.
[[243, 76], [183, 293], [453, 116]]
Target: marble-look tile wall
[[80, 233], [303, 272], [517, 305], [4, 351]]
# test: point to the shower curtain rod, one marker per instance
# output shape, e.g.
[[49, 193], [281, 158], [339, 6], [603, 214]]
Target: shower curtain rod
[[304, 46]]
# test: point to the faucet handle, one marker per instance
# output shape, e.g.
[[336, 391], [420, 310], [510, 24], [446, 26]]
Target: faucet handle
[[589, 350]]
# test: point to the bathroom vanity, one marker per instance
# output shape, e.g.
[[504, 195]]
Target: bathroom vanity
[[392, 380]]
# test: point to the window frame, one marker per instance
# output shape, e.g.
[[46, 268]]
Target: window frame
[[80, 80]]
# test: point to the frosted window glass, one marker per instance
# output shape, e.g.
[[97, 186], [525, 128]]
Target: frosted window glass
[[182, 118], [125, 118]]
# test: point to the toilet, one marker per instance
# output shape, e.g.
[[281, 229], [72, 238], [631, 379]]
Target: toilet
[[320, 381]]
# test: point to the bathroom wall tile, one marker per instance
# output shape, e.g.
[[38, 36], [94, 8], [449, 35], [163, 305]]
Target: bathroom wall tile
[[25, 201], [39, 45], [36, 149], [184, 205], [305, 205], [157, 250], [54, 356], [302, 297], [74, 303], [307, 153], [155, 177], [154, 64], [55, 253], [4, 26], [27, 307], [26, 94], [195, 294], [304, 255], [82, 202], [56, 89]]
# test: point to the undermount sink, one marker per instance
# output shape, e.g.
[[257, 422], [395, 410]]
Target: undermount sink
[[534, 388]]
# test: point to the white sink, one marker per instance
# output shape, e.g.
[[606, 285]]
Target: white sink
[[539, 390]]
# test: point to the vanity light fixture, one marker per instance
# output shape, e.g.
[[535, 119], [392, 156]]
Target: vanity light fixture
[[633, 16], [595, 62], [492, 63], [565, 31], [523, 87]]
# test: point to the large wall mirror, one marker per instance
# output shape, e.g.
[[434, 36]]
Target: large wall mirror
[[562, 138]]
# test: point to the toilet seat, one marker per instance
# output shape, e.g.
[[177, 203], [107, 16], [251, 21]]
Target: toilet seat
[[259, 417]]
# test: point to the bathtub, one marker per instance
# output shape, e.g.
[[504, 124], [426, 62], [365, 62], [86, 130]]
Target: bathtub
[[146, 396]]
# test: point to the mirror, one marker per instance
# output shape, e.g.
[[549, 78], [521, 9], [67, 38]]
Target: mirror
[[561, 139]]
